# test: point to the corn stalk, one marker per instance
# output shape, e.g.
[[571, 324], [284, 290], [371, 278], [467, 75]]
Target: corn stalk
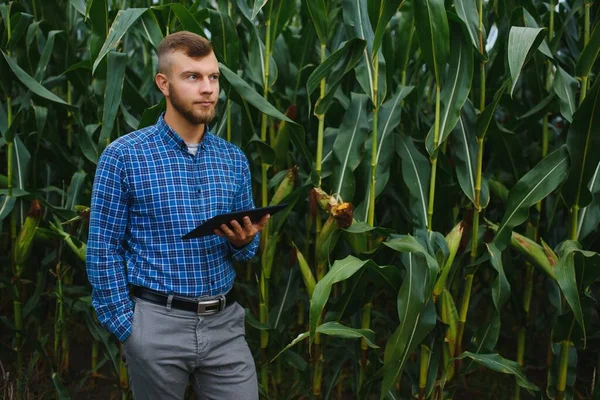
[[264, 118], [268, 248], [16, 268], [534, 234], [464, 308], [436, 139], [565, 346], [366, 312]]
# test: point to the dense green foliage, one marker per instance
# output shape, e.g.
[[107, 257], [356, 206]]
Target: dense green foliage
[[439, 159]]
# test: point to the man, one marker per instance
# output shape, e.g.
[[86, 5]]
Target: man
[[166, 299]]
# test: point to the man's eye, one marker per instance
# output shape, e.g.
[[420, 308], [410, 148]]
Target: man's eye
[[214, 77], [192, 77]]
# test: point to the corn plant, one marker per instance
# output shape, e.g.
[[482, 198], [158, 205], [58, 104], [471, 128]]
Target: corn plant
[[437, 157]]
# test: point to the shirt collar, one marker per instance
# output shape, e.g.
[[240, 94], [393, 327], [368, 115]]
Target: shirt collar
[[170, 136]]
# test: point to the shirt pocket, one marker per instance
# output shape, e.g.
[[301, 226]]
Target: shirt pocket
[[160, 196], [221, 192]]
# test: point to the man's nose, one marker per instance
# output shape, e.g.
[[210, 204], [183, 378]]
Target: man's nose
[[205, 86]]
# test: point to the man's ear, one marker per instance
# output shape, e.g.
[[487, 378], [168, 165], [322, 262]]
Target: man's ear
[[162, 82]]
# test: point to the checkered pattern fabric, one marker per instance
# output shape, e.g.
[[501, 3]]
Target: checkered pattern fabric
[[148, 192]]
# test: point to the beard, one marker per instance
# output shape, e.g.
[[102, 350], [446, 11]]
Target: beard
[[195, 117]]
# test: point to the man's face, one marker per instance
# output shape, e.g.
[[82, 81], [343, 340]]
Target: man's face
[[194, 86]]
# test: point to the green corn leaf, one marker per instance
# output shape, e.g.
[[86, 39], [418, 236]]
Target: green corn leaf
[[508, 146], [224, 39], [486, 117], [297, 340], [530, 22], [567, 280], [589, 217], [356, 16], [415, 172], [485, 339], [500, 286], [575, 272], [338, 330], [417, 319], [252, 97], [431, 23], [258, 5], [408, 244], [348, 145], [333, 69], [456, 88], [80, 6], [97, 10], [282, 13], [318, 14], [41, 117], [21, 163], [538, 183], [540, 109], [117, 63], [387, 9], [463, 147], [389, 119], [589, 54], [20, 23], [87, 145], [45, 58], [466, 12], [522, 43], [498, 363], [61, 391], [404, 34], [100, 334], [565, 86], [267, 154], [7, 203], [583, 140], [486, 336], [242, 6], [120, 26], [33, 85], [339, 271], [151, 114], [75, 188], [186, 18], [150, 29]]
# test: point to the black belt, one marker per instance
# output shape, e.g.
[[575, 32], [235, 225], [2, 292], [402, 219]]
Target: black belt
[[201, 307]]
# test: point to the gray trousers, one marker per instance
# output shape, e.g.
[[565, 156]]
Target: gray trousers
[[168, 348]]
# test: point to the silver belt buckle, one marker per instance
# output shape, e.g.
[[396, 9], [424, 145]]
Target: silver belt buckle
[[210, 307]]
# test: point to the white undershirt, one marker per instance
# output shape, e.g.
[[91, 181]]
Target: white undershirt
[[193, 148]]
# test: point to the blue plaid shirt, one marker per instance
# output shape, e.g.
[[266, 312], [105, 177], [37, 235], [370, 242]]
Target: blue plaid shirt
[[148, 192]]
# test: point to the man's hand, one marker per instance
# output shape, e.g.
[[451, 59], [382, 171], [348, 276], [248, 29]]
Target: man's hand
[[241, 236]]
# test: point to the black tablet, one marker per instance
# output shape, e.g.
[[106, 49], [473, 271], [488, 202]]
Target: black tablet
[[209, 226]]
